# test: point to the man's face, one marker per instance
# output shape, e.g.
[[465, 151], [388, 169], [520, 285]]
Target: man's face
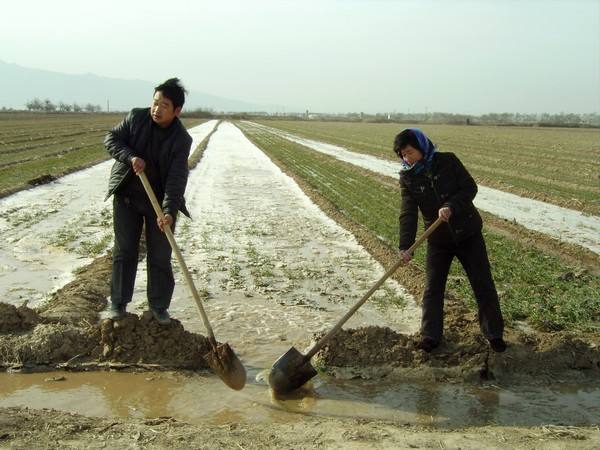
[[162, 110]]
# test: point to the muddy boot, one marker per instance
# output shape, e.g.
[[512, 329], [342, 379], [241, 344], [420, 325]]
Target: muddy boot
[[161, 316], [427, 344], [498, 345], [114, 312]]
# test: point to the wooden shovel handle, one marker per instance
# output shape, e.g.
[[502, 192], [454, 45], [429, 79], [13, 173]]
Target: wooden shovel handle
[[182, 264], [376, 286]]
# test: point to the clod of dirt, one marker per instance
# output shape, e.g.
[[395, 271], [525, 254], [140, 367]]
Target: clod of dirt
[[15, 319], [142, 340], [47, 344], [43, 179]]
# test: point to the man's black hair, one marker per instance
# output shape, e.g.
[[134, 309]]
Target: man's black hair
[[173, 90], [404, 139]]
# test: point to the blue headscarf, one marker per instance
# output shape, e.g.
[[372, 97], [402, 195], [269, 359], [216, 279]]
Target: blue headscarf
[[426, 147]]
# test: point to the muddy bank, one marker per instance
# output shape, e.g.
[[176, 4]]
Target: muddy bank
[[66, 332], [463, 356], [134, 342], [82, 299]]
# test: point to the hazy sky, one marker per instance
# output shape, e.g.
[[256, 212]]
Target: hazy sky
[[329, 55]]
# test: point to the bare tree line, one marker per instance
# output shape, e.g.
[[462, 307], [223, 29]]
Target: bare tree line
[[524, 119], [47, 106], [588, 120]]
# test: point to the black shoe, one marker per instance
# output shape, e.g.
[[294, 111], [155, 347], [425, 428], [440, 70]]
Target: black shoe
[[161, 316], [115, 312], [427, 344], [498, 345]]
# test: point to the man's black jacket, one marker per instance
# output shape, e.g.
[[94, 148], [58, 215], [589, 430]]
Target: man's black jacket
[[447, 183], [132, 137]]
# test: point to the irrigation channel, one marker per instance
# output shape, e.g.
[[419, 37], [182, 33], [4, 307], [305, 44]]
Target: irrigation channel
[[275, 269]]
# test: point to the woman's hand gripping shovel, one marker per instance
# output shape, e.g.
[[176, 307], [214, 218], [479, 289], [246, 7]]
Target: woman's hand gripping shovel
[[221, 359], [293, 369]]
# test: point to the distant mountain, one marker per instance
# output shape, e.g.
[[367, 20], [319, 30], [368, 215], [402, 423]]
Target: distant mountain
[[21, 84]]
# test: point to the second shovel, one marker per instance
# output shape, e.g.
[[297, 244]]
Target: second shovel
[[293, 369]]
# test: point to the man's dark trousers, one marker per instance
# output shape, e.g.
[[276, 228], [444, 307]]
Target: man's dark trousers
[[128, 218], [472, 254]]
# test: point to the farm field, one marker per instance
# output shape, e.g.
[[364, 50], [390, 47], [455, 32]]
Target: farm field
[[35, 148], [282, 242], [556, 165], [373, 203]]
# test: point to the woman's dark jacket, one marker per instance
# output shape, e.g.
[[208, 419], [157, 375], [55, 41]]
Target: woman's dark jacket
[[446, 183], [132, 137]]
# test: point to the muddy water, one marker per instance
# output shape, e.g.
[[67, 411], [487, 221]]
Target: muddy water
[[196, 398], [561, 223], [41, 239], [48, 231]]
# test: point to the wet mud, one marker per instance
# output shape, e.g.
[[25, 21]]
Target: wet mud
[[463, 356], [68, 332], [34, 429]]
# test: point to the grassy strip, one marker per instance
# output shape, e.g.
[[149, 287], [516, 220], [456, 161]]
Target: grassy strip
[[533, 162], [33, 138], [532, 284]]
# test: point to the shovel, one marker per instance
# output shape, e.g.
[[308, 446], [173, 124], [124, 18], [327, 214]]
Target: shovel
[[221, 359], [293, 369]]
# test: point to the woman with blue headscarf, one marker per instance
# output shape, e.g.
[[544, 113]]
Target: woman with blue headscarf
[[439, 185]]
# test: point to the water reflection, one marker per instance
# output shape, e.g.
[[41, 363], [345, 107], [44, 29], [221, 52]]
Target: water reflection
[[484, 409], [199, 397], [427, 405]]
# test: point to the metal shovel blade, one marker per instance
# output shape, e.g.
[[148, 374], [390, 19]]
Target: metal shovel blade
[[290, 371], [293, 369], [225, 363]]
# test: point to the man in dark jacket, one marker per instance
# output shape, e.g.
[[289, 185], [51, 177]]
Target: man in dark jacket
[[154, 141], [440, 186]]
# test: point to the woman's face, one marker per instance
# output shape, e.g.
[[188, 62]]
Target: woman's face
[[411, 155]]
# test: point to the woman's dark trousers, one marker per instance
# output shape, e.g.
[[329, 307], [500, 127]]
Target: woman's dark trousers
[[472, 254]]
